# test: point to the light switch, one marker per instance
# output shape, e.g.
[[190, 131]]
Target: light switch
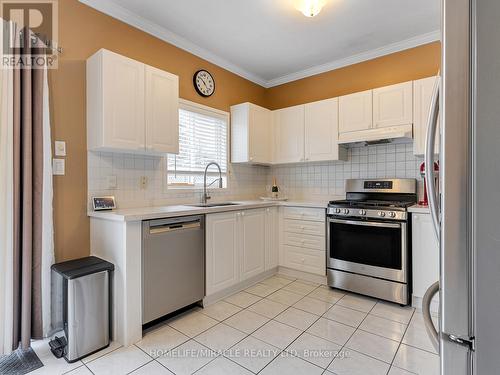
[[58, 167], [60, 148]]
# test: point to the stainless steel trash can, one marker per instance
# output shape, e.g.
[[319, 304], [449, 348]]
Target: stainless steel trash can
[[81, 305]]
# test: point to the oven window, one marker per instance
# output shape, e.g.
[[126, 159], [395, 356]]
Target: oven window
[[370, 245]]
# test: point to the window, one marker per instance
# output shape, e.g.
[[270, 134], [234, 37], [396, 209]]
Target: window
[[202, 139]]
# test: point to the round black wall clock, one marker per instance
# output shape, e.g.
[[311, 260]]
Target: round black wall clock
[[204, 83]]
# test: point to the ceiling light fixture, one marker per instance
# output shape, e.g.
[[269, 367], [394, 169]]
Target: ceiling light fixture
[[311, 8]]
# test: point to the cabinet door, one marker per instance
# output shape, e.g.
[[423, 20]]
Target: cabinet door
[[422, 96], [122, 102], [162, 111], [392, 105], [222, 263], [272, 242], [252, 243], [355, 112], [260, 130], [425, 254], [289, 134], [322, 130]]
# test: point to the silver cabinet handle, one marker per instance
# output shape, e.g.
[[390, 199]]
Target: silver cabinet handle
[[432, 332], [432, 126], [174, 227]]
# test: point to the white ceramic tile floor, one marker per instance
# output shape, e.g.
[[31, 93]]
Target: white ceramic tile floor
[[221, 310], [303, 329], [345, 315], [247, 321], [262, 290]]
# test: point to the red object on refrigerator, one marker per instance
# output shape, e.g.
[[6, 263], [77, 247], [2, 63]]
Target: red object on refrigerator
[[425, 201]]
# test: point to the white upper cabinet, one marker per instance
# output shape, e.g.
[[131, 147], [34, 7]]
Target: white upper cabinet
[[322, 131], [355, 112], [251, 134], [162, 111], [288, 126], [392, 105], [131, 107], [422, 97], [115, 102]]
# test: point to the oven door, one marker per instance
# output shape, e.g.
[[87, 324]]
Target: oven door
[[371, 248]]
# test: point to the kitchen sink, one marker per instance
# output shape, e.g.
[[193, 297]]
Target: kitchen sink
[[214, 204]]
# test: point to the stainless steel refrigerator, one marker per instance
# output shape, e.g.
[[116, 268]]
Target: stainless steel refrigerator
[[466, 212]]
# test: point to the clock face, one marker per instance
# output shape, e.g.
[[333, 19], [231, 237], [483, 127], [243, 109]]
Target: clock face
[[204, 83]]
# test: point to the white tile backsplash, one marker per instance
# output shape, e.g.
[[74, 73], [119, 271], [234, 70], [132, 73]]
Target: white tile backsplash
[[322, 180], [244, 182], [311, 181]]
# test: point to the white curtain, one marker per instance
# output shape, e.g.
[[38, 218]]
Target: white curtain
[[47, 220], [6, 207]]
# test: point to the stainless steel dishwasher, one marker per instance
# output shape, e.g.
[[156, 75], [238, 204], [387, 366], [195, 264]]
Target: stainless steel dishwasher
[[173, 265]]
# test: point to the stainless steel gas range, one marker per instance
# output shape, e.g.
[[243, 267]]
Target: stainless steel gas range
[[369, 240]]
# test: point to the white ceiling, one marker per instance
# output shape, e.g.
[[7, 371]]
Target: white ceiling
[[270, 42]]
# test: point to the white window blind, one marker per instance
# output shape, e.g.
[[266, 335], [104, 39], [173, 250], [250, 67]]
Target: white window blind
[[202, 139]]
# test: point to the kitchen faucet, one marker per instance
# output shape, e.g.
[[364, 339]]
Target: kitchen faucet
[[205, 195]]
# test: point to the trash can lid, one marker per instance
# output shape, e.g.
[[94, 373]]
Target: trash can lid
[[72, 269]]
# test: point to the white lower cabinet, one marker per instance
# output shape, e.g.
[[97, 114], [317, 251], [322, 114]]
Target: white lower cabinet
[[222, 258], [252, 243], [425, 256], [272, 238], [239, 245], [303, 239]]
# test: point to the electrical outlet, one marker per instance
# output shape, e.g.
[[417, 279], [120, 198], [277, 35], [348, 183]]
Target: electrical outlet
[[112, 182], [144, 182], [58, 167]]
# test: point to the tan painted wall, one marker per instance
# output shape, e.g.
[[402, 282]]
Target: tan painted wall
[[82, 31], [403, 66]]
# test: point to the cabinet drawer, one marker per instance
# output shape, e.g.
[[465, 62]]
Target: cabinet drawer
[[314, 228], [305, 260], [302, 213], [304, 240]]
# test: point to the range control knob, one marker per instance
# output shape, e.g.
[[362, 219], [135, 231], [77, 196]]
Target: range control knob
[[362, 212], [346, 211], [337, 210], [381, 213], [392, 214]]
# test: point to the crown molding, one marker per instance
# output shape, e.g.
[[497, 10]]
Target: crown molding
[[117, 11], [354, 59]]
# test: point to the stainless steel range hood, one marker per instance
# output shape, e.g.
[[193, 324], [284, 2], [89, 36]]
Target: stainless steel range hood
[[380, 135]]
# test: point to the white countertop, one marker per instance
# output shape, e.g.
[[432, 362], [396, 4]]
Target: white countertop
[[419, 209], [148, 213]]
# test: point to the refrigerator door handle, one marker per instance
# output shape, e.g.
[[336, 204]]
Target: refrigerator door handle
[[432, 331], [429, 158], [433, 206]]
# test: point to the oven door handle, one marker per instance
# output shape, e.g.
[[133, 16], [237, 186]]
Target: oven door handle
[[366, 223]]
